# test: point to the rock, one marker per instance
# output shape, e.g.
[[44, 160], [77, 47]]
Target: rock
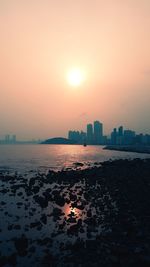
[[19, 194], [43, 218], [114, 259], [35, 224], [10, 227], [71, 220], [80, 207], [35, 189], [73, 197], [31, 182], [2, 203], [57, 212], [78, 164], [60, 201], [67, 200], [73, 230], [8, 260], [21, 245], [89, 213], [32, 249], [42, 201], [17, 227], [44, 242], [48, 260]]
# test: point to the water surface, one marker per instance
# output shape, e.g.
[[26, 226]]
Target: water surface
[[24, 158]]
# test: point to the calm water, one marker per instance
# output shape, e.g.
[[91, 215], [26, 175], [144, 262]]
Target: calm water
[[24, 158]]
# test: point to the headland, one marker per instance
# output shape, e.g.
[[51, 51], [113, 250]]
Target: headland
[[129, 148]]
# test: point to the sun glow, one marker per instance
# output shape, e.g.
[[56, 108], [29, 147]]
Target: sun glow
[[75, 77]]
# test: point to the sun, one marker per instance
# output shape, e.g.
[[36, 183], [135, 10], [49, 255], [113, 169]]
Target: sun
[[75, 77]]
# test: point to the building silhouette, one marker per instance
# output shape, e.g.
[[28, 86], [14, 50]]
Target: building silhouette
[[129, 136], [74, 135], [10, 139], [98, 133], [7, 139], [90, 135], [82, 137], [120, 131], [119, 136], [13, 139], [114, 137], [79, 137]]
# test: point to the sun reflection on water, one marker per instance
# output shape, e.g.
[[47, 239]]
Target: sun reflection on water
[[71, 211]]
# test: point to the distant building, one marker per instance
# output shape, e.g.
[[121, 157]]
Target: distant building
[[90, 134], [129, 136], [141, 139], [74, 135], [83, 137], [105, 140], [95, 136], [147, 136], [114, 137], [119, 137], [98, 133], [7, 139], [120, 131], [14, 139]]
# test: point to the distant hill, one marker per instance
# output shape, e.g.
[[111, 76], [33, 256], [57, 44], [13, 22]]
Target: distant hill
[[59, 140]]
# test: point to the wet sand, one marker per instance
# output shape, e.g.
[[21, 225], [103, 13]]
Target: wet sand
[[99, 216]]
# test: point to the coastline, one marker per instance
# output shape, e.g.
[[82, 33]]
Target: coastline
[[98, 216], [129, 148]]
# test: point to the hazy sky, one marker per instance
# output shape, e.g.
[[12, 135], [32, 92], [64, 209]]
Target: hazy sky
[[41, 40]]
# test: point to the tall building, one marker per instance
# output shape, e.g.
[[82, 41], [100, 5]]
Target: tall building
[[14, 139], [120, 138], [90, 134], [98, 133], [114, 136], [120, 131], [82, 137], [129, 136], [7, 139], [74, 135]]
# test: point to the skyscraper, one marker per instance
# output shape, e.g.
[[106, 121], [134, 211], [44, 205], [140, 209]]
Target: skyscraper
[[119, 138], [82, 137], [74, 135], [14, 139], [98, 132], [120, 131], [114, 136], [129, 136], [90, 133], [7, 139]]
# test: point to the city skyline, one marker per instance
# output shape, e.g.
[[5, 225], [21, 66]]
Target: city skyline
[[87, 129], [119, 136]]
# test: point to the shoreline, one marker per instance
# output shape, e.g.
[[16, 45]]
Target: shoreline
[[98, 216], [129, 148]]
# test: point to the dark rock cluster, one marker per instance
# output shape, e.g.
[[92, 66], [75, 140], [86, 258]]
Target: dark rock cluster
[[99, 216]]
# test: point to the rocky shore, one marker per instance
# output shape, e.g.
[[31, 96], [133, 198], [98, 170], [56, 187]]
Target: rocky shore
[[98, 216], [129, 148]]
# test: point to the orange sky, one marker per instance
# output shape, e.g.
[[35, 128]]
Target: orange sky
[[41, 40]]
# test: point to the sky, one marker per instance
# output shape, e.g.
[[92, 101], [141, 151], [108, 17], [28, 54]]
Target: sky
[[42, 40]]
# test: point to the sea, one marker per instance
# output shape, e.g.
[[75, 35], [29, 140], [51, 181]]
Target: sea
[[41, 158]]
